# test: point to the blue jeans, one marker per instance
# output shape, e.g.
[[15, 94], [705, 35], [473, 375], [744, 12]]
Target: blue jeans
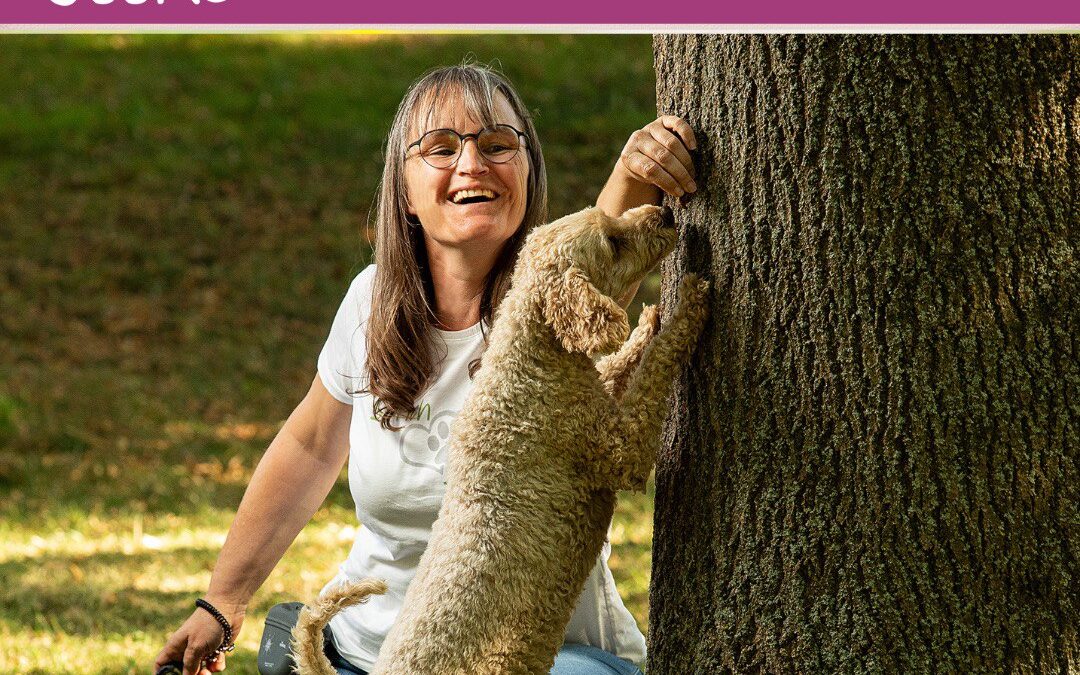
[[572, 659], [575, 659]]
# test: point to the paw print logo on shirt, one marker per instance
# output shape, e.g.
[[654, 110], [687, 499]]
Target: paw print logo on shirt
[[425, 443]]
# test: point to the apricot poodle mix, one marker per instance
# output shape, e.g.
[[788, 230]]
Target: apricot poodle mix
[[537, 453]]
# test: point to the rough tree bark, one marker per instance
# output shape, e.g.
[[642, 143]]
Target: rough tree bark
[[872, 464]]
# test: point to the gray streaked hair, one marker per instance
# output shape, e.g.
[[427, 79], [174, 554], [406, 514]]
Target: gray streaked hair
[[402, 355]]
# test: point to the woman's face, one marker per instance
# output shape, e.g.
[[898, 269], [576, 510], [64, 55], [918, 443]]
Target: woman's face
[[430, 192]]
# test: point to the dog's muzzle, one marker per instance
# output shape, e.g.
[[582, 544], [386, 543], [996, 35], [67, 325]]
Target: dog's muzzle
[[667, 217]]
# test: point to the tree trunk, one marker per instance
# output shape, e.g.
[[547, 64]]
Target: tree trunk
[[872, 463]]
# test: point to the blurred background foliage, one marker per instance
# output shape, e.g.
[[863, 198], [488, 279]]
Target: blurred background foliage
[[179, 219]]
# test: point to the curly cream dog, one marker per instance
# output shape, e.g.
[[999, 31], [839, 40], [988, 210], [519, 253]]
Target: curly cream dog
[[537, 454]]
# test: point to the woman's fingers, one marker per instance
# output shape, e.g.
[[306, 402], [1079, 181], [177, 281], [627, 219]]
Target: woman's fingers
[[211, 664], [668, 151], [217, 664], [658, 154], [172, 651], [200, 654], [191, 647], [671, 142], [681, 127], [647, 170], [193, 660]]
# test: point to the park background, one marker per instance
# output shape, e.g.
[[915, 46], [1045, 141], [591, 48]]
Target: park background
[[179, 219]]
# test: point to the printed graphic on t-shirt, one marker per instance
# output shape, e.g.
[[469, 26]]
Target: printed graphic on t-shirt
[[425, 441]]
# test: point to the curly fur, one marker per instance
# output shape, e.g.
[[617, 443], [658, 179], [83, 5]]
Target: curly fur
[[307, 634], [539, 450]]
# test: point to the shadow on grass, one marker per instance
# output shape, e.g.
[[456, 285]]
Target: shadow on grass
[[100, 593]]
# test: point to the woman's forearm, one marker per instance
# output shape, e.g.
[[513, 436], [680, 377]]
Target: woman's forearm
[[286, 489], [623, 192], [288, 486]]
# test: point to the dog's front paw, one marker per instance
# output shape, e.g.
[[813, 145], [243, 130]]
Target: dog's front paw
[[693, 288], [693, 308], [649, 321], [693, 296]]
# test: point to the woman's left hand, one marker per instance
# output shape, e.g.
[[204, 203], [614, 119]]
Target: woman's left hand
[[659, 154]]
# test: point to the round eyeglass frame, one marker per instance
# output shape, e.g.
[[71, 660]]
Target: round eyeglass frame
[[461, 145]]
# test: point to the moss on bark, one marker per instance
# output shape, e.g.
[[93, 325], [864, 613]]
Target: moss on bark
[[872, 465]]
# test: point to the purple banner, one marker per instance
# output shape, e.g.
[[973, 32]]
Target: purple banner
[[488, 12]]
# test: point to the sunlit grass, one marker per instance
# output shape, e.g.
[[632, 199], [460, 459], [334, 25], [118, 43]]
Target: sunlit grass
[[102, 598], [83, 606]]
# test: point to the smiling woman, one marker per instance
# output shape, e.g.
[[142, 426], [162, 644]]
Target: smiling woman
[[463, 183], [469, 199], [441, 263]]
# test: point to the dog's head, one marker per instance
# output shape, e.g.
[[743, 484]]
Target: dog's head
[[586, 260]]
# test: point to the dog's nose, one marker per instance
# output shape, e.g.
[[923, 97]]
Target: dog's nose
[[667, 217]]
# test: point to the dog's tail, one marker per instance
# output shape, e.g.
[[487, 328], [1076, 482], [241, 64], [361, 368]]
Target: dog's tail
[[307, 635]]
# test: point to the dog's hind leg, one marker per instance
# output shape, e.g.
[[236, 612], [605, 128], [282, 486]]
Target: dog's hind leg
[[615, 369], [635, 429]]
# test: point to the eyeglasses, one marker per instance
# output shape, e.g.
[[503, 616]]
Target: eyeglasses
[[441, 148]]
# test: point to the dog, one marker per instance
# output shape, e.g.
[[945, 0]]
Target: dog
[[544, 441]]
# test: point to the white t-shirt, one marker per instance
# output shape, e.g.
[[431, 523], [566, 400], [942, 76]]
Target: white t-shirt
[[397, 483]]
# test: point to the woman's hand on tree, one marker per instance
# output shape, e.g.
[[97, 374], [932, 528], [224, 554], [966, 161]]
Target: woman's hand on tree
[[659, 155], [198, 638]]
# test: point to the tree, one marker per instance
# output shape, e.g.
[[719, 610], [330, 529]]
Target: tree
[[872, 463]]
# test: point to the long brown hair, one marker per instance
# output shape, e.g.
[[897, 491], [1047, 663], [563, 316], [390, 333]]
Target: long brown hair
[[402, 353]]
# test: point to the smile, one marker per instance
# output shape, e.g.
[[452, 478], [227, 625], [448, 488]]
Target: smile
[[472, 196]]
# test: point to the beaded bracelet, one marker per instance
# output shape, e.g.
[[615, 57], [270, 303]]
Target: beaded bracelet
[[227, 644]]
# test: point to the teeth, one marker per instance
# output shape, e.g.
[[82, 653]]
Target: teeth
[[465, 194]]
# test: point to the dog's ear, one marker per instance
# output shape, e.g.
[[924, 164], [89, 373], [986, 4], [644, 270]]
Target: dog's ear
[[584, 319]]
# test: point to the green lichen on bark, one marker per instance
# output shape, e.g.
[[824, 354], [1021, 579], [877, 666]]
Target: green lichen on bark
[[872, 465]]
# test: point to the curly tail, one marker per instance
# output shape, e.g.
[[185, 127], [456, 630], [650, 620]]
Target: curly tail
[[307, 635]]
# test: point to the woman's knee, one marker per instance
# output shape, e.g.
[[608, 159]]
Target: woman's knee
[[574, 659]]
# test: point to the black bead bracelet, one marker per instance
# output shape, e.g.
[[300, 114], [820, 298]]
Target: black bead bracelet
[[227, 644]]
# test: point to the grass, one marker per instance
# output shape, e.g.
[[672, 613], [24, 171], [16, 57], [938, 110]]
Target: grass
[[179, 217]]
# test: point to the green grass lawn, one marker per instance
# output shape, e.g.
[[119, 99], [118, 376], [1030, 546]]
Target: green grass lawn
[[179, 218]]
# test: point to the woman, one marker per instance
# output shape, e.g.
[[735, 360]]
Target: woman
[[463, 184]]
